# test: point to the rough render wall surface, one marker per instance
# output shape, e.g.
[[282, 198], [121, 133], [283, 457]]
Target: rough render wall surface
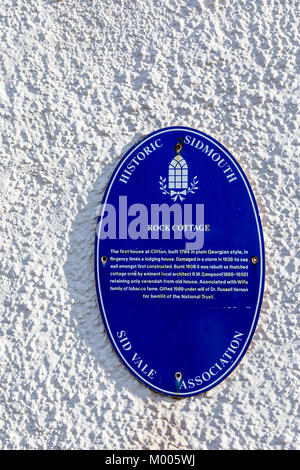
[[80, 82]]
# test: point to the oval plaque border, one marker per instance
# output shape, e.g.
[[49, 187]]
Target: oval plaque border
[[261, 256]]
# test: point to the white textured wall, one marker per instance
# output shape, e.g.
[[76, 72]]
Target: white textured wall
[[81, 81]]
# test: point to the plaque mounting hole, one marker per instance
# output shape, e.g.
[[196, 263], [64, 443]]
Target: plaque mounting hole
[[104, 259], [178, 375], [254, 259]]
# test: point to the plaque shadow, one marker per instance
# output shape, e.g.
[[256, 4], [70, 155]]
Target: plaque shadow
[[94, 348]]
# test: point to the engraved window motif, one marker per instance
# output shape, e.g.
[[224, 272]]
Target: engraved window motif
[[178, 173]]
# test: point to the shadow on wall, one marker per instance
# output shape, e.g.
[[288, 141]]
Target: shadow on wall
[[94, 345]]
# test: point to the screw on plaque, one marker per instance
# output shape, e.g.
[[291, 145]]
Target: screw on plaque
[[254, 259], [104, 260], [178, 376], [179, 145]]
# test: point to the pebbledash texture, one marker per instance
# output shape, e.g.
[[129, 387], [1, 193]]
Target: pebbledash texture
[[80, 83]]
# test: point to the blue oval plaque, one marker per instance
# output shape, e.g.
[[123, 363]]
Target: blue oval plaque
[[179, 261]]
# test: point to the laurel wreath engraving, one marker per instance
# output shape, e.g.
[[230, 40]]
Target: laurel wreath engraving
[[181, 194]]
